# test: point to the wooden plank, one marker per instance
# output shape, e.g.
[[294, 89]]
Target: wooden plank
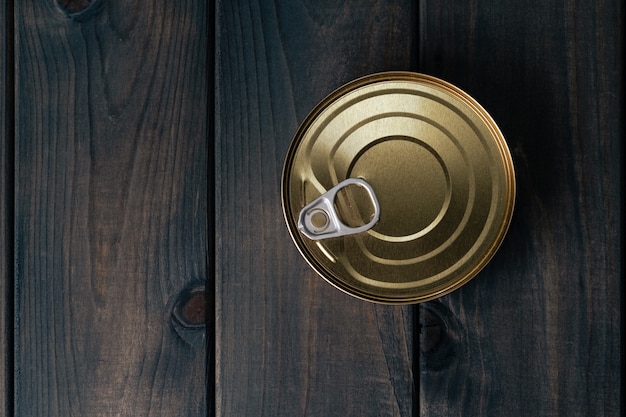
[[6, 204], [538, 332], [111, 208], [288, 344]]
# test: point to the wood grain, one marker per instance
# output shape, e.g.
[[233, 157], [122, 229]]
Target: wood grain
[[6, 203], [288, 344], [538, 332], [111, 210]]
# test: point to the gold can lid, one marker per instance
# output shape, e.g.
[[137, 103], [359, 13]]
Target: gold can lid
[[398, 188]]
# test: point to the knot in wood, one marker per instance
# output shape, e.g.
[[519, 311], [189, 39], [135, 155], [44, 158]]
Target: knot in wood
[[190, 309], [440, 332], [79, 9]]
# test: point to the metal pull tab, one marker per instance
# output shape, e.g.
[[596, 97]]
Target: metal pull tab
[[319, 219]]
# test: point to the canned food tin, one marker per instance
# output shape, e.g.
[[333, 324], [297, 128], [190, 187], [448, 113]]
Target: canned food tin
[[398, 188]]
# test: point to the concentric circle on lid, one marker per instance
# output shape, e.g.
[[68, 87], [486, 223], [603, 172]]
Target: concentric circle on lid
[[440, 169]]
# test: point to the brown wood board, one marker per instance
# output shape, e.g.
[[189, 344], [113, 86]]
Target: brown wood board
[[111, 214], [289, 344], [538, 331]]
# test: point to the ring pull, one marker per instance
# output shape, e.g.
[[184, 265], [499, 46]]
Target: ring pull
[[321, 219]]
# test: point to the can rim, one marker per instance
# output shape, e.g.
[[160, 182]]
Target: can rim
[[441, 85]]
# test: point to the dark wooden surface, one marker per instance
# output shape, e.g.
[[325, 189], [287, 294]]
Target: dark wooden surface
[[113, 106], [6, 281], [288, 344], [538, 332], [111, 212]]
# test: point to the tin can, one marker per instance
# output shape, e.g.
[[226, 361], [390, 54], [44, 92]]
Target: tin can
[[398, 188]]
